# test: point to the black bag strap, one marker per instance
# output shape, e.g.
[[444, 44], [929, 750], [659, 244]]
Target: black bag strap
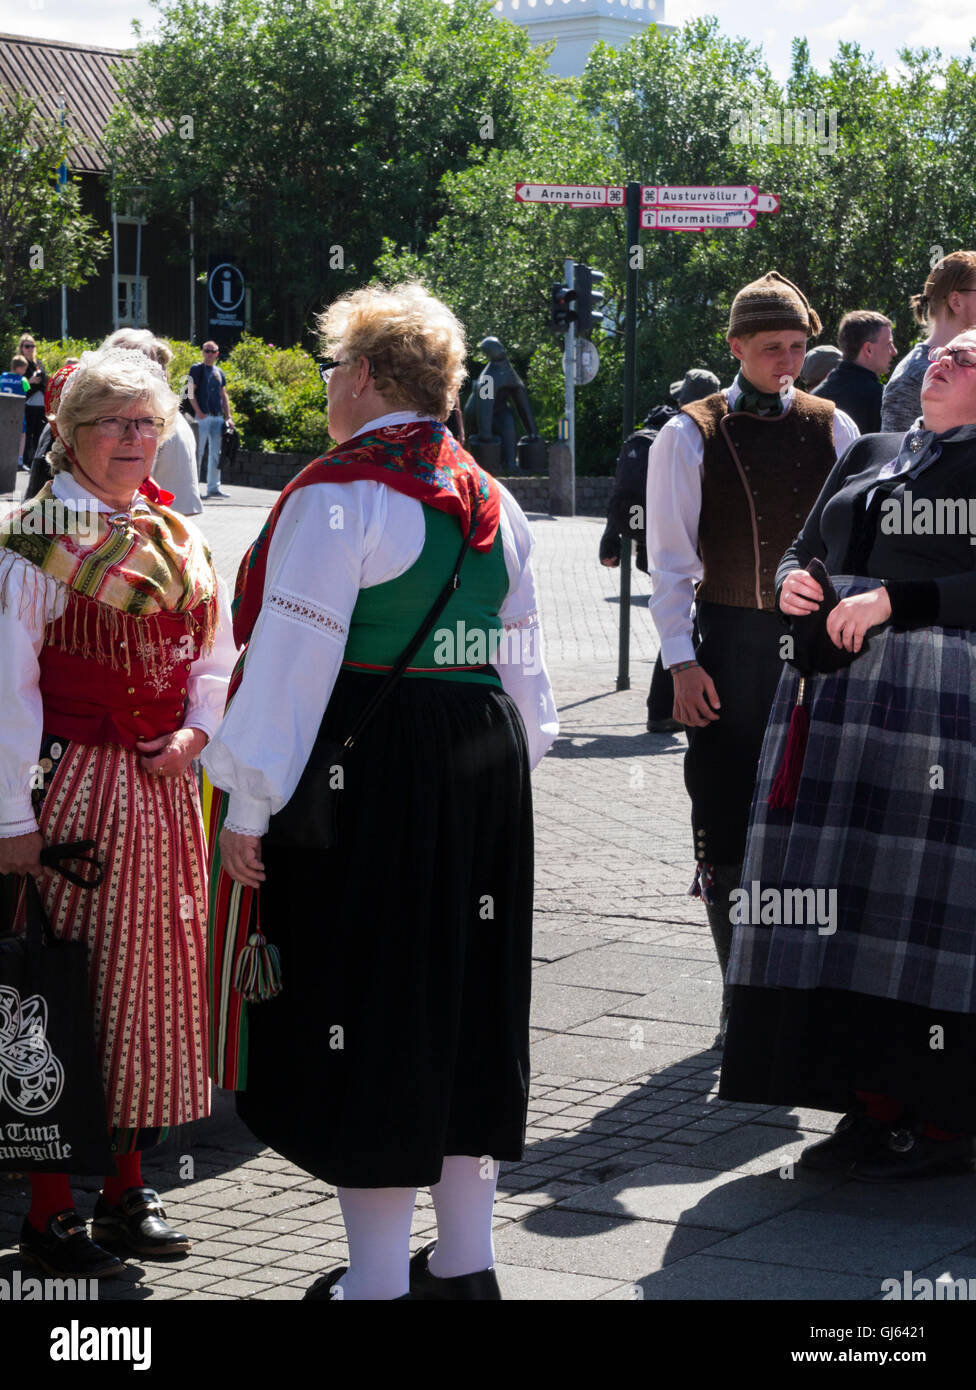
[[415, 643], [53, 857], [38, 923]]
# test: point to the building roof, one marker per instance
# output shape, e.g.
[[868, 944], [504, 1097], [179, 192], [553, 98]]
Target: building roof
[[46, 68]]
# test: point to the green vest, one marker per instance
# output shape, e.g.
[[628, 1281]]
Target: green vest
[[468, 633]]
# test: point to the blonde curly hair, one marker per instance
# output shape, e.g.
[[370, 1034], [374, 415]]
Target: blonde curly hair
[[415, 344], [105, 381]]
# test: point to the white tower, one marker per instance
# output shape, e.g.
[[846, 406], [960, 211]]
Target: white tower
[[576, 25]]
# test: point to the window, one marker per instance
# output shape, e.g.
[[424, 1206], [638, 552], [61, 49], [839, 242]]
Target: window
[[132, 301]]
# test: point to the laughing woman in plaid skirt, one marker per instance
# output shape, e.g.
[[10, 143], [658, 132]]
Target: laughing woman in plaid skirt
[[854, 955]]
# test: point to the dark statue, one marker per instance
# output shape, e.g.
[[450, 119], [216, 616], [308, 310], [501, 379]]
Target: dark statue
[[489, 418]]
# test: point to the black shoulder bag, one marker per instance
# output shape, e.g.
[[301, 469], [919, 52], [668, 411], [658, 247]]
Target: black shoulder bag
[[308, 818]]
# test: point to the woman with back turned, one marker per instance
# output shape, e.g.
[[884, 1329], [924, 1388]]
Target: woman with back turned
[[396, 1055]]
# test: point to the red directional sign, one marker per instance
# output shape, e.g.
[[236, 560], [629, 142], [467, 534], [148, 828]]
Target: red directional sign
[[577, 195]]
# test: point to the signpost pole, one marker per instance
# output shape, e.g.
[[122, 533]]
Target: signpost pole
[[569, 370], [630, 391]]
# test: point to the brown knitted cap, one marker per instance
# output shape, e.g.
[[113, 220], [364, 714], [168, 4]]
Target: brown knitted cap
[[770, 304]]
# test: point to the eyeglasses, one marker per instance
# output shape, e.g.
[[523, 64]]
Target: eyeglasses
[[961, 357], [114, 427], [208, 352], [327, 367]]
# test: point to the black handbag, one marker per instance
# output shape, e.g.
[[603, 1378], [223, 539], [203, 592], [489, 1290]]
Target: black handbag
[[52, 1100], [813, 651], [308, 820]]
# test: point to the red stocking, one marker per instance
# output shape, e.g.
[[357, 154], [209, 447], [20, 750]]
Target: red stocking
[[130, 1175], [50, 1193]]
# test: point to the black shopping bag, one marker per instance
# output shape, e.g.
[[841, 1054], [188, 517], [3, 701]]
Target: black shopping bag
[[52, 1101]]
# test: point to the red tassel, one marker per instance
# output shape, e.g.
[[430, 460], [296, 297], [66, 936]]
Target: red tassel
[[782, 794]]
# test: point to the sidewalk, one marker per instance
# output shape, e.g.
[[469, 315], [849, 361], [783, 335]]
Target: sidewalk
[[637, 1181]]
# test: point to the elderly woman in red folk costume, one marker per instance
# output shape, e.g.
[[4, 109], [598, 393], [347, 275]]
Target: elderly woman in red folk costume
[[116, 654]]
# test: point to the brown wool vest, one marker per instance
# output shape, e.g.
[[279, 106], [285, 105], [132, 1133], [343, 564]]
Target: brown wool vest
[[761, 477]]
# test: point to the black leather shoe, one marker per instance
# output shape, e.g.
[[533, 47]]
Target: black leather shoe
[[425, 1285], [322, 1288], [856, 1137], [139, 1223], [63, 1249], [664, 726], [907, 1156]]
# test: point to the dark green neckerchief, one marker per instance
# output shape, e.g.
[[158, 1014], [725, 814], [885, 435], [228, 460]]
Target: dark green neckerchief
[[757, 402]]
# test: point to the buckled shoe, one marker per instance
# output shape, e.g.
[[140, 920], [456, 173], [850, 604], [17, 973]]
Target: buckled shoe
[[907, 1156], [64, 1249], [139, 1223], [855, 1137], [322, 1288], [427, 1286]]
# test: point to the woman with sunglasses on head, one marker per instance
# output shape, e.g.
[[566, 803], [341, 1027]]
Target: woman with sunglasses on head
[[396, 1054], [117, 650], [946, 307], [853, 965]]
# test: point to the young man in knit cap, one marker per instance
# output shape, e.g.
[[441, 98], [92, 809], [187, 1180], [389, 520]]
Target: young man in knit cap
[[730, 481]]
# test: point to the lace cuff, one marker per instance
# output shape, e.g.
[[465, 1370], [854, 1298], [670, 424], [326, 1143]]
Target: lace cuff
[[529, 619], [297, 609], [13, 828], [242, 829]]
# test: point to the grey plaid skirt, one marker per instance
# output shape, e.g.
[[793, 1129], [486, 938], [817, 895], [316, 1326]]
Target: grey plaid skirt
[[869, 884]]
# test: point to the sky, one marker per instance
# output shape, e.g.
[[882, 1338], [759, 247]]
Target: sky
[[882, 26]]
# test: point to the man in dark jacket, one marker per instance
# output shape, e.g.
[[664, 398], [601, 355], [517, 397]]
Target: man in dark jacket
[[625, 516], [867, 348]]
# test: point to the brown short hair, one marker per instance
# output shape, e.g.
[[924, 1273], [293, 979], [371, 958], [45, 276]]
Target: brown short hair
[[860, 327], [415, 344], [957, 271], [17, 362]]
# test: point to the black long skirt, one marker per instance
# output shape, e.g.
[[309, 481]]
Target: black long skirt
[[816, 1048], [402, 1032]]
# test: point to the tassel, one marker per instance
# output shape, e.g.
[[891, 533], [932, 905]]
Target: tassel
[[703, 884], [782, 794], [257, 974]]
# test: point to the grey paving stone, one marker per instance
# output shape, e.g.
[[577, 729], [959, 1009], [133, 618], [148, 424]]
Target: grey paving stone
[[581, 1243], [521, 1283], [680, 1192], [550, 945], [604, 967], [558, 1006], [945, 1201], [814, 1239], [707, 1279], [607, 1058]]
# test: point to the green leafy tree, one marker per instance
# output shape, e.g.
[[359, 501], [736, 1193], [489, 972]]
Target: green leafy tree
[[45, 239], [305, 131]]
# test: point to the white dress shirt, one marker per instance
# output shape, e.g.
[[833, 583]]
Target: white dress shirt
[[674, 497], [332, 540], [21, 639]]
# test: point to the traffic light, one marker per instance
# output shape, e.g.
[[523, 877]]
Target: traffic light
[[589, 299], [561, 308]]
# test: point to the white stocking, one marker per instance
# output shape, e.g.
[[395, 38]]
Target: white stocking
[[377, 1223], [463, 1201]]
